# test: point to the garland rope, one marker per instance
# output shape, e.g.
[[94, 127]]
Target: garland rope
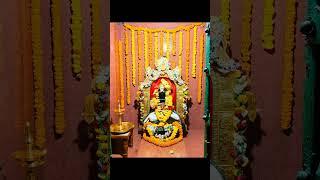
[[156, 48], [180, 49], [146, 56], [161, 44], [168, 46], [287, 79], [58, 67], [121, 74], [96, 37], [194, 52], [39, 107], [201, 53], [127, 67], [267, 34], [246, 38], [76, 29], [187, 56], [150, 48], [133, 53]]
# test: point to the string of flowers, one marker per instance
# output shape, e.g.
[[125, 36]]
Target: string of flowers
[[96, 37], [127, 67], [201, 53], [39, 106], [121, 73], [76, 29], [267, 34], [168, 45], [246, 37], [150, 49], [187, 55], [177, 29], [180, 50], [156, 48], [139, 56], [133, 57], [174, 44], [146, 55], [194, 52], [58, 67], [161, 44], [225, 18], [287, 79]]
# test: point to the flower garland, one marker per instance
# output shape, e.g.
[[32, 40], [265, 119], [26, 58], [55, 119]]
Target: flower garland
[[177, 29], [267, 34], [139, 45], [168, 45], [225, 18], [133, 53], [161, 44], [121, 74], [39, 106], [246, 37], [201, 53], [166, 142], [150, 48], [174, 44], [287, 80], [187, 56], [96, 37], [194, 52], [58, 67], [180, 50], [156, 48], [101, 125], [146, 56], [76, 29], [127, 67]]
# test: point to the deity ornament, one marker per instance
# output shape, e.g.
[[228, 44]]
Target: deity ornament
[[163, 102]]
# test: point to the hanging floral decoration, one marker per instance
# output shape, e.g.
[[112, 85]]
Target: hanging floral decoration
[[161, 44], [139, 56], [127, 67], [146, 48], [287, 79], [121, 73], [58, 67], [156, 48], [96, 37], [76, 29], [133, 57], [39, 106], [168, 45], [246, 37], [267, 34], [180, 50], [194, 52], [150, 48], [174, 49], [201, 57], [187, 56], [243, 99], [225, 18]]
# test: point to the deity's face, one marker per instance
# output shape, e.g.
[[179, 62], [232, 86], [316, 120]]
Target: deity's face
[[161, 87]]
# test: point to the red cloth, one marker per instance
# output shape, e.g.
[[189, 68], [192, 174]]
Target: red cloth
[[155, 85]]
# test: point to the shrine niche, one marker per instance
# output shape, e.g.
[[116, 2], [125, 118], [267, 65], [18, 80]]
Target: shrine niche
[[163, 103]]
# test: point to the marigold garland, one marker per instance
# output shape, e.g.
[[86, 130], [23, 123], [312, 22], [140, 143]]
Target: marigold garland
[[174, 44], [246, 37], [177, 29], [225, 18], [187, 55], [76, 29], [133, 57], [127, 67], [96, 37], [156, 48], [180, 50], [146, 55], [139, 45], [161, 44], [267, 34], [58, 67], [201, 53], [165, 143], [168, 45], [150, 48], [287, 80], [39, 106], [194, 52], [121, 74]]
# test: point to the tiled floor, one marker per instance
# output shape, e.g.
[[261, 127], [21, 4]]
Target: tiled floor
[[190, 146]]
